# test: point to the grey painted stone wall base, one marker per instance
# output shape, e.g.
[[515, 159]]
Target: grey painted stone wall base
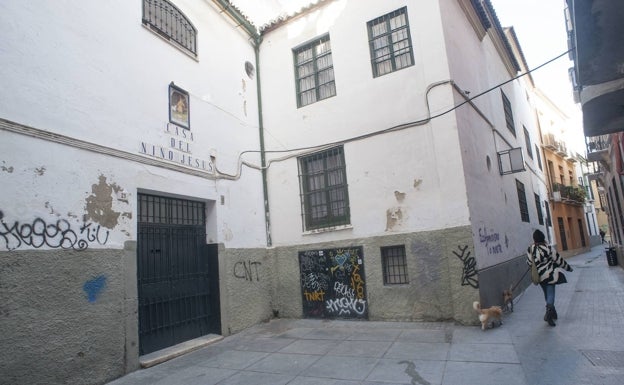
[[442, 280], [63, 316], [70, 317], [512, 274]]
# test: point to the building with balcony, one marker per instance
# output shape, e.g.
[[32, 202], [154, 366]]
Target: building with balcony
[[595, 30], [595, 33], [566, 206]]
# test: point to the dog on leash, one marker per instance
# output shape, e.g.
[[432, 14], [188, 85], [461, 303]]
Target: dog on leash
[[488, 316], [508, 301]]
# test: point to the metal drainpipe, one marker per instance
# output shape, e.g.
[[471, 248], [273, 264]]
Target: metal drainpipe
[[265, 189], [257, 40]]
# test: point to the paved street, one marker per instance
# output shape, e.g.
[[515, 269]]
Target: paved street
[[586, 347]]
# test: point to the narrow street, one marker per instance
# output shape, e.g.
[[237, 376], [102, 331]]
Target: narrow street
[[585, 348]]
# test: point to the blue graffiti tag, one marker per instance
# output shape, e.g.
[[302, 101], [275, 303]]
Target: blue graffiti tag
[[94, 287]]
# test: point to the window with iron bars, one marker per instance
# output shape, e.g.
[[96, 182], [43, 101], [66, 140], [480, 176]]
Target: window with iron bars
[[527, 141], [508, 114], [168, 21], [170, 211], [324, 194], [522, 201], [390, 42], [538, 206], [394, 265], [314, 71]]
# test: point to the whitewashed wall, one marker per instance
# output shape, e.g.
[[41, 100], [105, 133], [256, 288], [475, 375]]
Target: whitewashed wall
[[92, 72], [422, 162], [476, 66]]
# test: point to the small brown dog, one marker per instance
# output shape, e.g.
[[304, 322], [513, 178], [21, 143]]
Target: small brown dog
[[508, 301], [488, 316]]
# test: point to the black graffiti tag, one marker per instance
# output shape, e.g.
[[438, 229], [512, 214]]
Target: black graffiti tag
[[55, 235], [469, 274]]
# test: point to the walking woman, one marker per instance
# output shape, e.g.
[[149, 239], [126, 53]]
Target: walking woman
[[548, 266]]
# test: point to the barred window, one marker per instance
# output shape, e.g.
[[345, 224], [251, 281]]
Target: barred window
[[168, 21], [390, 42], [508, 114], [314, 71], [323, 184], [538, 206], [527, 141], [522, 201], [394, 265]]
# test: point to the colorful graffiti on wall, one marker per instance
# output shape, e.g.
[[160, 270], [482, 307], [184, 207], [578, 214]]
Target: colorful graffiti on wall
[[333, 283]]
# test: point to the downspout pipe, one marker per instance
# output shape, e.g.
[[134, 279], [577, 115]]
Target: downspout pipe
[[226, 7], [265, 189]]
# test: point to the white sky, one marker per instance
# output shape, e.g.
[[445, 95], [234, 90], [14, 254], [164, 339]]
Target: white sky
[[541, 30]]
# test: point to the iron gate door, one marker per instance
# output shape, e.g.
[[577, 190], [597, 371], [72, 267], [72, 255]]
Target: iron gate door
[[332, 283], [177, 273]]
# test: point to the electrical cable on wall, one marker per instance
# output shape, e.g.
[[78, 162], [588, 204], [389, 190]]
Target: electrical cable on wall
[[304, 150]]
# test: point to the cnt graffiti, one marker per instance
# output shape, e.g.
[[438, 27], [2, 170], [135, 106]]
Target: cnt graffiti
[[55, 234], [246, 269], [332, 283], [469, 274]]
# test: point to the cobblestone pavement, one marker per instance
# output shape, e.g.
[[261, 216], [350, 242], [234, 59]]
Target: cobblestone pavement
[[586, 347]]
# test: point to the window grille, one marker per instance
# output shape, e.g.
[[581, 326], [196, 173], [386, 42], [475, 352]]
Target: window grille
[[390, 42], [394, 265], [522, 201], [323, 184], [170, 211], [540, 216], [168, 21], [508, 114], [314, 71], [527, 140]]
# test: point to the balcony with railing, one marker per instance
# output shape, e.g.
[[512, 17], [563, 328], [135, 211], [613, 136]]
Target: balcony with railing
[[553, 143], [597, 148], [569, 194]]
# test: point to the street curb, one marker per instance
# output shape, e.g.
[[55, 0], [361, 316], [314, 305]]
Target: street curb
[[172, 352]]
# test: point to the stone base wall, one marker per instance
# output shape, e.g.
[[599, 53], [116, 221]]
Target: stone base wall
[[441, 272], [64, 316], [247, 288]]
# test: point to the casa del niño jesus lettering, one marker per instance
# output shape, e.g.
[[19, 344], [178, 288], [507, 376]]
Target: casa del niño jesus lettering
[[177, 149]]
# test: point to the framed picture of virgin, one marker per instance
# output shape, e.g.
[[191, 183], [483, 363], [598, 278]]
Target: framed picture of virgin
[[179, 106]]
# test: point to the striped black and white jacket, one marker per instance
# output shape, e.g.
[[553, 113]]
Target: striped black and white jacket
[[548, 263]]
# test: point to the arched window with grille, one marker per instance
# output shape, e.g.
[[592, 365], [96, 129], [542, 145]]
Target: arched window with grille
[[165, 19]]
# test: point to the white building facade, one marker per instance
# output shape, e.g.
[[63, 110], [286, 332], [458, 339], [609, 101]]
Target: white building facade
[[162, 162], [126, 221], [385, 170]]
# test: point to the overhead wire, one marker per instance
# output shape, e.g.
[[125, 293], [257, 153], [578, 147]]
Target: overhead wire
[[303, 150]]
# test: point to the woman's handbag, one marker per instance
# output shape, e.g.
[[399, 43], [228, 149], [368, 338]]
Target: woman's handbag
[[535, 278]]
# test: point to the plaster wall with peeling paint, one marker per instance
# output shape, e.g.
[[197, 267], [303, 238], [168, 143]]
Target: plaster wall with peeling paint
[[399, 181], [420, 181], [82, 96], [85, 94]]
